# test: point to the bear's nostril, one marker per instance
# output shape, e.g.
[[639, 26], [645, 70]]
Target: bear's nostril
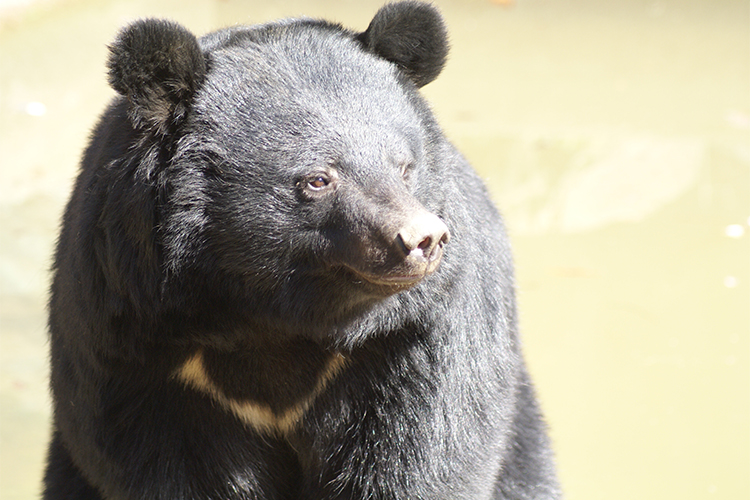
[[425, 243]]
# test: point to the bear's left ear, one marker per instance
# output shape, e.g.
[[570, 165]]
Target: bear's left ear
[[158, 66], [411, 35]]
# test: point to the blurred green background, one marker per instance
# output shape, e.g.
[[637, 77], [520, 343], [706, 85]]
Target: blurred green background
[[615, 137]]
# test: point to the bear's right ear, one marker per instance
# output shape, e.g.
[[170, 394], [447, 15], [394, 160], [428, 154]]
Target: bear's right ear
[[411, 35], [158, 66]]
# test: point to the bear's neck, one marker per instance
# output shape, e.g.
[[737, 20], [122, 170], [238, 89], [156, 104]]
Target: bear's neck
[[269, 387]]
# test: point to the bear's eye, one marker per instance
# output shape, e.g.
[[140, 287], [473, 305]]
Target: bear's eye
[[318, 182]]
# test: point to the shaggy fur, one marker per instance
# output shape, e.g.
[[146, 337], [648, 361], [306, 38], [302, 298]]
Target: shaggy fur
[[276, 279]]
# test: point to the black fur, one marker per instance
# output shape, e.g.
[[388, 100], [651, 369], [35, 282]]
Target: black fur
[[249, 299], [158, 66], [411, 35]]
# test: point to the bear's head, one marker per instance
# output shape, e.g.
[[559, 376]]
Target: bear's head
[[298, 171]]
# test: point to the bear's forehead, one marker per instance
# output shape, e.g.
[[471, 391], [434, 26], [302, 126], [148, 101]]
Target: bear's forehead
[[307, 65], [304, 83]]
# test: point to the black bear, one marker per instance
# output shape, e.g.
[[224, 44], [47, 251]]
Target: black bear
[[276, 279]]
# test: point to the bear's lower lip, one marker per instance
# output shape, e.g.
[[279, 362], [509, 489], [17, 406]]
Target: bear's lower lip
[[397, 282], [392, 283], [405, 281]]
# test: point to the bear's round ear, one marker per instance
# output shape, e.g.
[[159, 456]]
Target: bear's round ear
[[158, 66], [411, 35]]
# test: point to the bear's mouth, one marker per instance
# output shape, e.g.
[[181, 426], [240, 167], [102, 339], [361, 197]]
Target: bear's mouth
[[399, 281], [385, 285], [395, 280]]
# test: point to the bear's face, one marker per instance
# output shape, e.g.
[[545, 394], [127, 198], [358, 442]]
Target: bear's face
[[316, 158], [299, 166]]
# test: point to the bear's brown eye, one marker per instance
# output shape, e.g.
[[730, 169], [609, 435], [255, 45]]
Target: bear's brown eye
[[318, 182]]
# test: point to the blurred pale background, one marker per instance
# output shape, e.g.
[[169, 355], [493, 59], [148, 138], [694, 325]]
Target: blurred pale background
[[615, 137]]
